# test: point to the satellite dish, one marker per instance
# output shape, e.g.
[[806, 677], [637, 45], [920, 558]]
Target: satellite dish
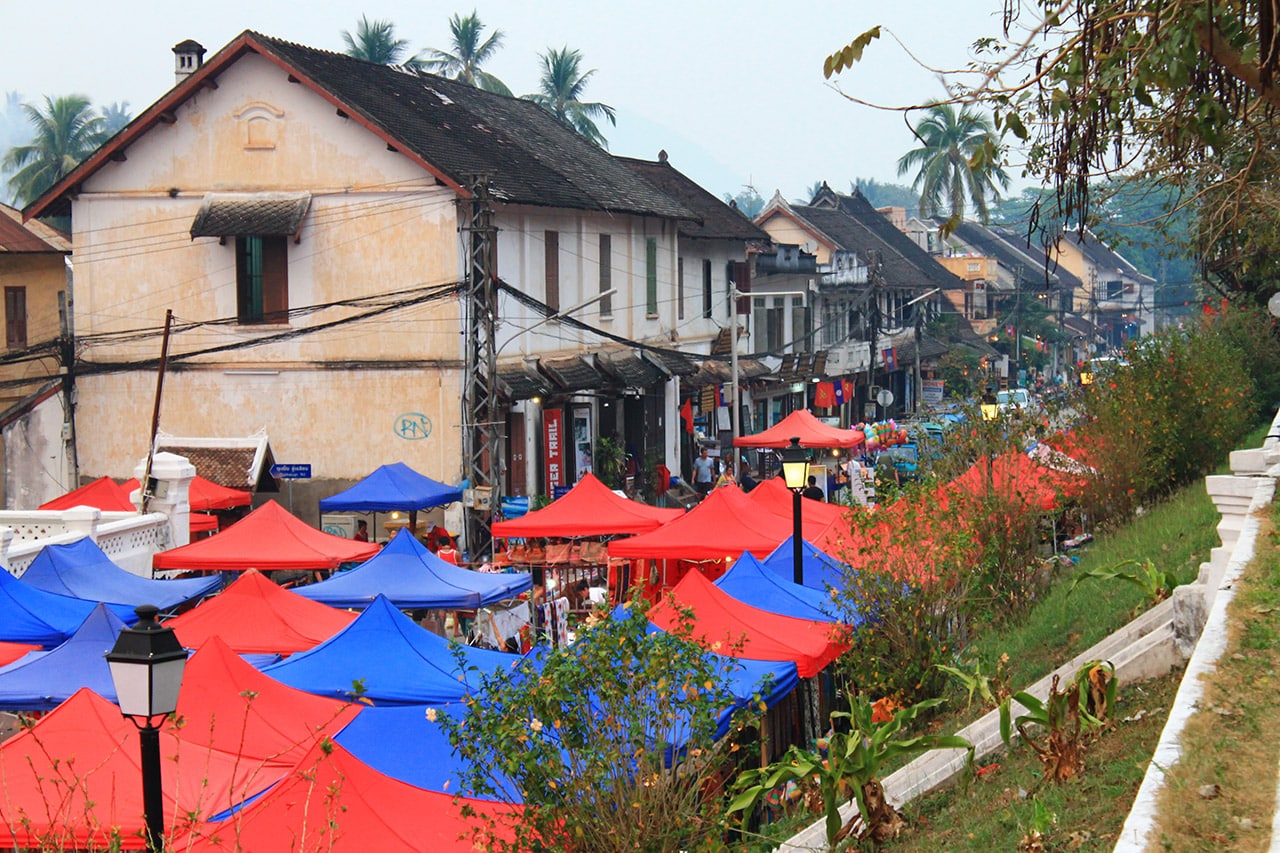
[[1273, 304], [885, 397]]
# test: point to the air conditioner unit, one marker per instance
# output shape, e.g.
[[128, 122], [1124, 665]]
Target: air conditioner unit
[[338, 525]]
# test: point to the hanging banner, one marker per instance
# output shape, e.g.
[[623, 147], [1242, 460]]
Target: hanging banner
[[553, 447]]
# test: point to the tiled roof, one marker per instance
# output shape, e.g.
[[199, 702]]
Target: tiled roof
[[241, 214], [449, 128], [719, 220], [236, 463], [33, 237], [460, 129], [858, 227]]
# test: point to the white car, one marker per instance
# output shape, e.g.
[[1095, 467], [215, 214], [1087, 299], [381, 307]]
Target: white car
[[1016, 400]]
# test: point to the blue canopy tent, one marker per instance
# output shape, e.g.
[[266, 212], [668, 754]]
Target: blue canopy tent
[[393, 487], [41, 681], [397, 662], [821, 570], [413, 578], [401, 742], [751, 583], [82, 570], [30, 615]]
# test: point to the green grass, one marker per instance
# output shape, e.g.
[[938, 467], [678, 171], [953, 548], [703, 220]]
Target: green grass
[[1176, 535]]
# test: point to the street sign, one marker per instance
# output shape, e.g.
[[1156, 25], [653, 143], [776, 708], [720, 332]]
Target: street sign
[[885, 397], [291, 471]]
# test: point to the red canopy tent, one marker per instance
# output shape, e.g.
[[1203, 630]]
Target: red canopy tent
[[1015, 475], [255, 616], [103, 493], [74, 780], [773, 495], [332, 801], [802, 424], [590, 508], [726, 626], [206, 495], [267, 538], [10, 652], [725, 524]]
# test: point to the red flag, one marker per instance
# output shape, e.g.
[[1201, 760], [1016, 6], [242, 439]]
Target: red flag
[[824, 396], [686, 415]]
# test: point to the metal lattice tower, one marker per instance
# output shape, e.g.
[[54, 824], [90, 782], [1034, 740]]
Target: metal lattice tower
[[480, 435]]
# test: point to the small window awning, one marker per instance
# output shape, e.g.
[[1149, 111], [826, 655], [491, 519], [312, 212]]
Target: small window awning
[[517, 382], [671, 362], [251, 214], [573, 373], [630, 369]]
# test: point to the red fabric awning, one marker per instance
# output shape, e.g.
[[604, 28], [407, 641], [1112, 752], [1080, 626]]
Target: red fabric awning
[[588, 509], [256, 616], [726, 626], [725, 524], [267, 538], [802, 424], [773, 495]]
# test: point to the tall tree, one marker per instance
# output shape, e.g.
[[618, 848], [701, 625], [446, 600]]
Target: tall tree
[[65, 132], [886, 195], [560, 93], [375, 41], [956, 163], [469, 51]]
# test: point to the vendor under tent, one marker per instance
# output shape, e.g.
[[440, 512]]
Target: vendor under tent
[[802, 424], [396, 661], [341, 805], [725, 524], [821, 570], [31, 615], [82, 570], [266, 539], [43, 680], [413, 578], [590, 508], [725, 625], [390, 488], [242, 734], [751, 583], [255, 616]]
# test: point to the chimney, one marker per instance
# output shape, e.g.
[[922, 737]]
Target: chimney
[[188, 56]]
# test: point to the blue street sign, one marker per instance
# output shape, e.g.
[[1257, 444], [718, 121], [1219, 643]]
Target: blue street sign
[[294, 471]]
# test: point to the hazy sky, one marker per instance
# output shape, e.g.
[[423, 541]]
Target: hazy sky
[[732, 90]]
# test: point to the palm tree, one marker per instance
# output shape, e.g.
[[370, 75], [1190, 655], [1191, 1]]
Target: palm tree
[[958, 162], [115, 116], [561, 90], [65, 133], [469, 53], [375, 41]]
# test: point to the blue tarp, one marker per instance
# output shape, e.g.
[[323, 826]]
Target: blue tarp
[[821, 570], [40, 681], [392, 487], [413, 578], [81, 570], [402, 743], [30, 615], [751, 583], [396, 661]]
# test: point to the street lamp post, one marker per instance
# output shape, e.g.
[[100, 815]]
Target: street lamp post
[[146, 668], [795, 473]]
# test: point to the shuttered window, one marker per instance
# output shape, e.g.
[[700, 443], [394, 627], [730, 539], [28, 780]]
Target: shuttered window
[[651, 277], [552, 242], [606, 274], [15, 317]]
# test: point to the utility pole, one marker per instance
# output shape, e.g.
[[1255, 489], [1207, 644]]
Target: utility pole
[[67, 355], [1017, 327], [480, 434], [873, 259], [147, 490]]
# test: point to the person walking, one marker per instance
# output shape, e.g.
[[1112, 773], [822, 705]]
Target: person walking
[[704, 476]]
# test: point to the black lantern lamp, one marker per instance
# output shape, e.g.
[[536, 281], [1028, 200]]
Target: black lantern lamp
[[795, 473], [146, 668]]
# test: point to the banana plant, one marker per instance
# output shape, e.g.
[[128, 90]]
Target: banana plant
[[857, 750], [1155, 584], [1062, 718]]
